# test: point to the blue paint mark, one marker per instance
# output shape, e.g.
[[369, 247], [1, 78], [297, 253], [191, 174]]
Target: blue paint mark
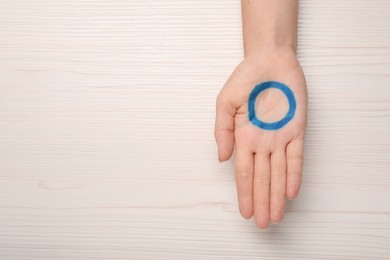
[[252, 103]]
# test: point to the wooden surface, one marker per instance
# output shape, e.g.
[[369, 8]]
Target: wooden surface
[[106, 132]]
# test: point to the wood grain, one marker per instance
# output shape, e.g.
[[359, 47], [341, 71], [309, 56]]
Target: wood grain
[[106, 132]]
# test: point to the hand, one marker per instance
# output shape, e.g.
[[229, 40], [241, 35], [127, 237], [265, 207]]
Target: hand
[[268, 163]]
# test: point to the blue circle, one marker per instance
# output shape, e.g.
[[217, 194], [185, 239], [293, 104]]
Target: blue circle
[[252, 103]]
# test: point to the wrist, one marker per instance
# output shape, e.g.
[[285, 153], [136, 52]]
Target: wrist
[[274, 45], [271, 52], [273, 61]]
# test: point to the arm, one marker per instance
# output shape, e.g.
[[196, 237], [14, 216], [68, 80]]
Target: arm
[[262, 112], [269, 25]]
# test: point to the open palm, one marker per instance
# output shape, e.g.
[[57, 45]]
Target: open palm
[[268, 162]]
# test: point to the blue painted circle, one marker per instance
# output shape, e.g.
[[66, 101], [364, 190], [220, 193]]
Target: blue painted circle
[[252, 104]]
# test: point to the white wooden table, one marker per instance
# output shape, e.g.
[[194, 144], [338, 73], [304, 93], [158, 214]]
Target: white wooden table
[[106, 132]]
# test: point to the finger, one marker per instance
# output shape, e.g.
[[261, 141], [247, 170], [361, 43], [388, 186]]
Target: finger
[[244, 181], [278, 185], [261, 182], [224, 127], [294, 167]]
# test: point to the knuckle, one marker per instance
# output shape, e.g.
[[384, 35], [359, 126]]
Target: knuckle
[[243, 175], [223, 100], [262, 180], [278, 175], [294, 178], [296, 158], [220, 98]]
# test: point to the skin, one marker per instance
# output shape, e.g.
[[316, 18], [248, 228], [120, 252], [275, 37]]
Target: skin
[[268, 163]]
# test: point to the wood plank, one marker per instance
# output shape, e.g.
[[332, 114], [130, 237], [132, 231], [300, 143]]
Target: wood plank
[[106, 132]]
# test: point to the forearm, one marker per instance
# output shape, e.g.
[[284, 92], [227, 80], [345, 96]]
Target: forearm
[[269, 25]]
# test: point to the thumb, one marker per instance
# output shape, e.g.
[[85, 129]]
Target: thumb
[[224, 128]]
